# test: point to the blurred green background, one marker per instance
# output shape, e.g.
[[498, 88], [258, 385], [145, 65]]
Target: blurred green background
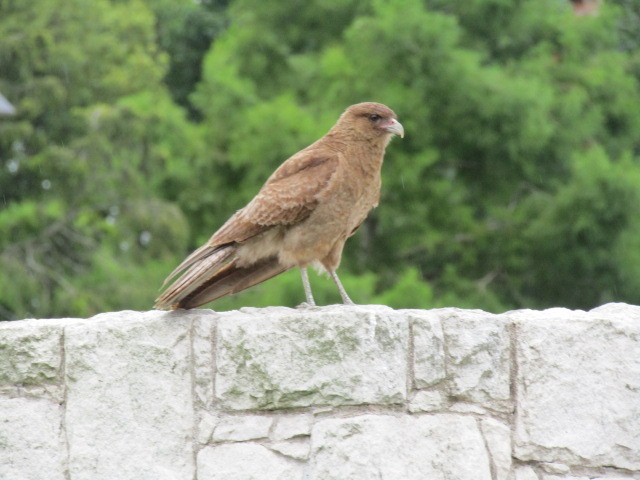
[[142, 125]]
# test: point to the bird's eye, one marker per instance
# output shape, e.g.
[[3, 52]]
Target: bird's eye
[[374, 117]]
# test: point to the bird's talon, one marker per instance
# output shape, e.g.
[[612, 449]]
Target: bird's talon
[[304, 305]]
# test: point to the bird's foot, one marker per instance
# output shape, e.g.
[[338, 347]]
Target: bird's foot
[[304, 305]]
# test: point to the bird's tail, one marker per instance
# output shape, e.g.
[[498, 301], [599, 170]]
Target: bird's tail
[[212, 273]]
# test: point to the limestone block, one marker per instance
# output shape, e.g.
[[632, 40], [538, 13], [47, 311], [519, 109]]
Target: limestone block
[[237, 429], [427, 401], [297, 448], [408, 447], [478, 356], [466, 407], [578, 387], [428, 347], [292, 426], [129, 406], [31, 444], [337, 355], [245, 461], [206, 426], [204, 322], [555, 467], [498, 438], [525, 473], [31, 351], [617, 310]]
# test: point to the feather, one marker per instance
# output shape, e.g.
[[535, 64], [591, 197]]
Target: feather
[[231, 280], [203, 265]]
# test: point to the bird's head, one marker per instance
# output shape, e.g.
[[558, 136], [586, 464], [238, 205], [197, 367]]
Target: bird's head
[[370, 121]]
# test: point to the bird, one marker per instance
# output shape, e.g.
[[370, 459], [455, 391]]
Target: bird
[[301, 217]]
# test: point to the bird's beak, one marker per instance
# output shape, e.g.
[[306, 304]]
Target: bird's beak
[[395, 127]]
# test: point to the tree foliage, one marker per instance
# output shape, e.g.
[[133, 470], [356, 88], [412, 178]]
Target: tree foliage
[[143, 124]]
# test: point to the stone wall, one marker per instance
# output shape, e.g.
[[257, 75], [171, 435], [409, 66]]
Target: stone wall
[[337, 392]]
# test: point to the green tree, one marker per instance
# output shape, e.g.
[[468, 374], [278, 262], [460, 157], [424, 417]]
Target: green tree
[[185, 31], [96, 137], [499, 99], [144, 124]]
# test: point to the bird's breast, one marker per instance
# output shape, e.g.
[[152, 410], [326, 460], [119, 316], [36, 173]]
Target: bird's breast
[[341, 208], [364, 198]]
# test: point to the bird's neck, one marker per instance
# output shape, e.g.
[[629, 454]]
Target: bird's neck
[[344, 138], [367, 153], [368, 157]]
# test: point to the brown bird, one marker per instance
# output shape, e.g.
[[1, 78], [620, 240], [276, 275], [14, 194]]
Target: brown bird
[[302, 215]]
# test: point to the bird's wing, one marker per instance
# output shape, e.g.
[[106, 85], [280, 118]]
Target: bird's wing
[[229, 280], [288, 197]]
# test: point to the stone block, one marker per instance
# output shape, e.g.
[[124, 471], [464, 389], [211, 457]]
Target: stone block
[[245, 461], [427, 401], [428, 347], [578, 387], [286, 358], [238, 429], [407, 447], [31, 441], [497, 436], [129, 408], [204, 322], [31, 351], [525, 473], [297, 448], [478, 357], [292, 426]]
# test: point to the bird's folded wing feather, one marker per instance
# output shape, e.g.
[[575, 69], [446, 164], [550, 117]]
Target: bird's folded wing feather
[[199, 270], [288, 197]]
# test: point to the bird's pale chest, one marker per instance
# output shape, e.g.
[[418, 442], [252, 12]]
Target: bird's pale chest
[[359, 195]]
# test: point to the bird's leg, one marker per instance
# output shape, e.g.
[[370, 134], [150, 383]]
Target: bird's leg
[[307, 287], [343, 293]]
